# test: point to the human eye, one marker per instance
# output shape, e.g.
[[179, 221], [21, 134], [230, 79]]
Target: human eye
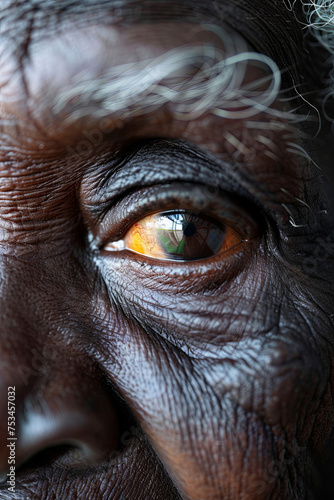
[[188, 234], [185, 215], [178, 235]]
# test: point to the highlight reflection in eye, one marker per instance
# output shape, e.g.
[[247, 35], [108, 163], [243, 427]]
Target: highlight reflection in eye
[[178, 235]]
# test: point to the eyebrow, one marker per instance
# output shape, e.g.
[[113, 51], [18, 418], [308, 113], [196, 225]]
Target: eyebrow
[[262, 23], [194, 79]]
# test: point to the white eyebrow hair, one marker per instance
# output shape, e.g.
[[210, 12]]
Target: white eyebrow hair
[[195, 79], [319, 15]]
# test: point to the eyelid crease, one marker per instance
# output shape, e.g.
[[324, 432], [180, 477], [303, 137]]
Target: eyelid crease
[[159, 161]]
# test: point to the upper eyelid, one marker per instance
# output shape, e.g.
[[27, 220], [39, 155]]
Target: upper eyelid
[[160, 161]]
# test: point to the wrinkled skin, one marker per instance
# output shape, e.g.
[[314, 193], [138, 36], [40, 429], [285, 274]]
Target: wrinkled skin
[[142, 379]]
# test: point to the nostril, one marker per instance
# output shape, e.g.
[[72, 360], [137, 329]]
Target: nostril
[[80, 437], [67, 415], [77, 432]]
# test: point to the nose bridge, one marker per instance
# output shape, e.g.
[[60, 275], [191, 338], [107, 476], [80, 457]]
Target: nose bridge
[[54, 390]]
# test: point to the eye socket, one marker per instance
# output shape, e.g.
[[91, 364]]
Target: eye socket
[[180, 235]]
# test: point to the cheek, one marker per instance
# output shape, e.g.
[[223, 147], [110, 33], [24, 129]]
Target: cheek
[[233, 382]]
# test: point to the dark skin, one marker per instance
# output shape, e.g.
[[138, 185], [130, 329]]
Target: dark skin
[[143, 378]]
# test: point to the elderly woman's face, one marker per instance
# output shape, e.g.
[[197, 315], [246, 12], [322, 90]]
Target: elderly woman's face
[[166, 263]]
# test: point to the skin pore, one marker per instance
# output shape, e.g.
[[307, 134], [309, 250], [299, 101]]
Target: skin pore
[[139, 377]]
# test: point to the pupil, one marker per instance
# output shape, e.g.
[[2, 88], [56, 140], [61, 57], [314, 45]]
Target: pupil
[[189, 229], [188, 236]]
